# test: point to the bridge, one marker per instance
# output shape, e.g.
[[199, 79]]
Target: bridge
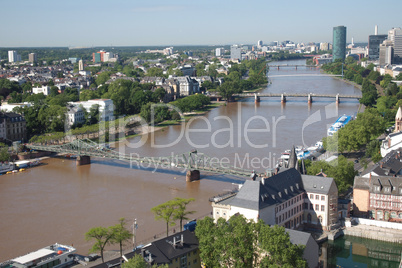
[[283, 96], [192, 162], [278, 66], [289, 75]]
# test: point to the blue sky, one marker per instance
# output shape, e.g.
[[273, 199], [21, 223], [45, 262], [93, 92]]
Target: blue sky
[[187, 22]]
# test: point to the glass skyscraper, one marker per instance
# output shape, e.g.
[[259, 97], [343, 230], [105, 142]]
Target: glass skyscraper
[[339, 43]]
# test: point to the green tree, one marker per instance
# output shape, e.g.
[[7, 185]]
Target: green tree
[[165, 212], [180, 212], [4, 154], [155, 71], [120, 234], [136, 262], [102, 237]]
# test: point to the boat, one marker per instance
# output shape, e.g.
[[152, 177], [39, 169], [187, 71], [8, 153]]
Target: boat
[[6, 167], [340, 123], [311, 153], [55, 256]]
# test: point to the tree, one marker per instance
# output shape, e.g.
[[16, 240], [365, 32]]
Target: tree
[[120, 234], [239, 242], [165, 212], [136, 262], [180, 212], [102, 236]]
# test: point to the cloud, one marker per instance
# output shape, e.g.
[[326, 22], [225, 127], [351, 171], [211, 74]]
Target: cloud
[[152, 9]]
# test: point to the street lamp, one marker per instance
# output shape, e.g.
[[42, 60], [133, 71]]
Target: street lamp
[[135, 227]]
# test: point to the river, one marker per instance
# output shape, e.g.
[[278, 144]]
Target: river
[[59, 202]]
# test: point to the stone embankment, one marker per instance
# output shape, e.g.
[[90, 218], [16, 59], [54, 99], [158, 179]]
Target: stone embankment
[[393, 235]]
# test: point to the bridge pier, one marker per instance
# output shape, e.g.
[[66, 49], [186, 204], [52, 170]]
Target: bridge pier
[[309, 99], [283, 98], [83, 160], [337, 99], [256, 98], [296, 67], [277, 67], [192, 175]]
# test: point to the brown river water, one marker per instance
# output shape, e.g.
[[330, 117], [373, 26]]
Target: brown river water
[[60, 202]]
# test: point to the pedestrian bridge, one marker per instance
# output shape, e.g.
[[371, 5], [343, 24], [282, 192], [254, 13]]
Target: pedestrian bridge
[[187, 162]]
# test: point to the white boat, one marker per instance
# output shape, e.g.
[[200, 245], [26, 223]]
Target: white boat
[[55, 256], [340, 123]]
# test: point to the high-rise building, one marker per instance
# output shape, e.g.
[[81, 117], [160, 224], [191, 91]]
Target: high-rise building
[[393, 32], [219, 52], [12, 56], [80, 65], [374, 45], [386, 53], [259, 43], [339, 43], [398, 49], [32, 57], [324, 46], [235, 52]]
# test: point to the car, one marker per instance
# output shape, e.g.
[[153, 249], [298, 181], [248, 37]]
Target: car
[[356, 161]]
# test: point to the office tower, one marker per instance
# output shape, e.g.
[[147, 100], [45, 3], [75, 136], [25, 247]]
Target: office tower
[[12, 56], [398, 49], [235, 52], [374, 45], [259, 43], [80, 65], [393, 32], [339, 43], [32, 57], [386, 53]]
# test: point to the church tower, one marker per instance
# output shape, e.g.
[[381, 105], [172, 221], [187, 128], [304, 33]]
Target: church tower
[[398, 120]]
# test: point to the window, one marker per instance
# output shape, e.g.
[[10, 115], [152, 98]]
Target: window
[[311, 196], [317, 197], [322, 208], [317, 207], [311, 207], [323, 198]]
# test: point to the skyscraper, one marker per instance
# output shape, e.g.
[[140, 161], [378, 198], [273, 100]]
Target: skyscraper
[[235, 52], [374, 45], [339, 43], [12, 56]]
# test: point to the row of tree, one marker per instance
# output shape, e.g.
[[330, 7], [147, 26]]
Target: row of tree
[[173, 210], [104, 236]]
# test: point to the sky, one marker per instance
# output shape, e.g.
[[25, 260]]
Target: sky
[[87, 23]]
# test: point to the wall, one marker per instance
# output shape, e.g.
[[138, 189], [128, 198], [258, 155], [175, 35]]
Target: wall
[[360, 202]]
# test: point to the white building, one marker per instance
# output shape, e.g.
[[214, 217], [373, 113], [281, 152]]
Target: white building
[[219, 52], [13, 56], [188, 86], [44, 89], [106, 107], [394, 140], [75, 115], [288, 199], [9, 107]]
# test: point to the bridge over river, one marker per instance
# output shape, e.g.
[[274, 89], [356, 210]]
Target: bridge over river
[[192, 162]]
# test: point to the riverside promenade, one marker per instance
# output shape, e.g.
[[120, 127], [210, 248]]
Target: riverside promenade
[[367, 230]]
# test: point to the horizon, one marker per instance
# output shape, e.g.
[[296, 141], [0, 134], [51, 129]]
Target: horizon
[[124, 23]]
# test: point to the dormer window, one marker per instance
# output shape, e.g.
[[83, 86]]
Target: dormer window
[[291, 188], [297, 185], [387, 189]]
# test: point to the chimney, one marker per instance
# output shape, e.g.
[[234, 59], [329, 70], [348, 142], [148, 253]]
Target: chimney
[[182, 239], [174, 241]]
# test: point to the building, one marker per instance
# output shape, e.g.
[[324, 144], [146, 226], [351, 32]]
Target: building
[[32, 57], [374, 43], [386, 53], [390, 165], [394, 140], [398, 49], [219, 52], [75, 115], [9, 107], [324, 46], [188, 86], [339, 43], [378, 197], [177, 251], [13, 56], [259, 43], [80, 65], [105, 106], [311, 248], [45, 90], [394, 32], [13, 126], [288, 199], [235, 52]]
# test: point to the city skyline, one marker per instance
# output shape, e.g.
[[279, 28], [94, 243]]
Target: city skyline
[[141, 23]]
